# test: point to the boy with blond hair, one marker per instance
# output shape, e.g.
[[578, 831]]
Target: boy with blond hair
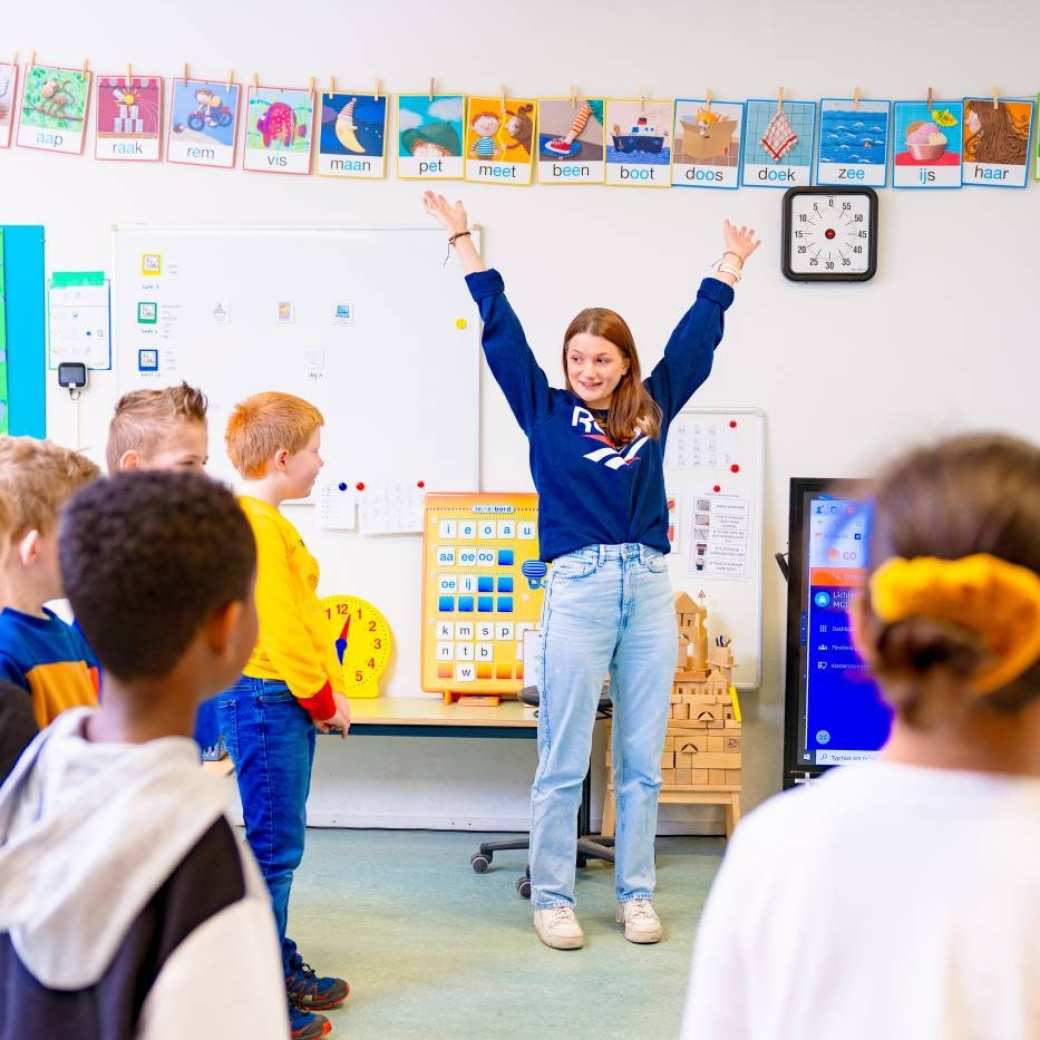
[[39, 652], [17, 725], [286, 694], [159, 429]]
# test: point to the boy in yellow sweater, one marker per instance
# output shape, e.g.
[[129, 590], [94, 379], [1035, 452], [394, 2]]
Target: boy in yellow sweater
[[268, 719]]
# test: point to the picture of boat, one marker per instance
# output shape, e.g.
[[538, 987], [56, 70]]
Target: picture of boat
[[640, 138]]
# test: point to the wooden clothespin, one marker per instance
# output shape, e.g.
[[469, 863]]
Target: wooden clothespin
[[332, 85], [504, 94], [379, 88], [86, 66], [230, 78], [32, 59], [311, 85], [129, 75], [780, 100], [187, 72], [256, 80], [709, 97], [996, 98], [856, 97], [15, 62], [929, 100], [642, 102], [574, 97], [433, 88]]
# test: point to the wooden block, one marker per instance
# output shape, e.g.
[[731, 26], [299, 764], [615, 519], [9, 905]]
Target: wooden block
[[732, 724], [684, 760], [716, 777], [680, 711], [716, 760], [667, 759], [668, 777], [700, 777], [693, 743], [733, 776], [717, 725], [732, 744], [684, 777], [727, 711], [716, 743]]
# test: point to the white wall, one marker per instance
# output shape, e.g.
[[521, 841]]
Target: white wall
[[941, 340]]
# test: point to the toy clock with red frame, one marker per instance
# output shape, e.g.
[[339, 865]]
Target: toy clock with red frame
[[830, 234]]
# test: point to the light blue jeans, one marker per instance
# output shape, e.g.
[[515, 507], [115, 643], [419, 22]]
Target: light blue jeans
[[608, 608]]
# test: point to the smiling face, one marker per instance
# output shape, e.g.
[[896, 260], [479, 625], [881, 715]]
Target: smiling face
[[486, 124], [594, 368]]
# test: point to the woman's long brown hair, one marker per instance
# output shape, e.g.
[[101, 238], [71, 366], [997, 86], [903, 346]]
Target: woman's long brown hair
[[633, 412]]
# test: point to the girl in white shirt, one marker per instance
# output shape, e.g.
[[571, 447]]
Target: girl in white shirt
[[901, 897]]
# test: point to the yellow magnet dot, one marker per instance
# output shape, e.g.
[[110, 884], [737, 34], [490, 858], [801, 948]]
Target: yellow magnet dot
[[461, 323]]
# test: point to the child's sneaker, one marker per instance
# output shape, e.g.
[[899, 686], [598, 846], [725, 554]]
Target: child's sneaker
[[559, 146], [558, 927], [311, 992], [303, 1025], [642, 925]]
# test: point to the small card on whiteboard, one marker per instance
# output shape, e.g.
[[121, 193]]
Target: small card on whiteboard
[[337, 506], [394, 507]]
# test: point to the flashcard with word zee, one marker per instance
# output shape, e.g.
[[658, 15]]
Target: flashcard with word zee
[[203, 123], [279, 130], [128, 114], [571, 142], [639, 145], [430, 136], [928, 144], [483, 584], [54, 109], [707, 143], [854, 139], [996, 141], [352, 135], [778, 143], [499, 140]]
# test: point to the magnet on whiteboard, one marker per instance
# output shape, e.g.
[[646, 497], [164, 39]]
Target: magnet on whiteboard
[[461, 323]]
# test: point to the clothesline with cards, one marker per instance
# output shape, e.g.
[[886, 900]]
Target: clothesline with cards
[[699, 141], [373, 507]]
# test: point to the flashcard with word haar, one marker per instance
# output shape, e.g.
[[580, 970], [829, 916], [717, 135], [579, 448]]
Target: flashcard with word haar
[[639, 146], [996, 141], [778, 144], [129, 118], [707, 143], [203, 123], [352, 135], [571, 141], [430, 136], [854, 137], [483, 584], [499, 140], [54, 109], [279, 130], [928, 144]]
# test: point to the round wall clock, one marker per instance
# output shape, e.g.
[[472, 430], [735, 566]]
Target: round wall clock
[[361, 635], [830, 234]]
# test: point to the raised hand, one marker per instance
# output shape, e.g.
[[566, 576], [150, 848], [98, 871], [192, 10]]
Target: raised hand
[[452, 218], [740, 241]]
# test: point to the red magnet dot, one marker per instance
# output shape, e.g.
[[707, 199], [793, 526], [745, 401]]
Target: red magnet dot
[[422, 484], [734, 468], [829, 233], [716, 489], [360, 485], [733, 424]]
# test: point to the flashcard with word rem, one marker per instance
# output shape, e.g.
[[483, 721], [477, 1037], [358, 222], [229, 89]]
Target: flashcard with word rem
[[778, 144], [483, 584], [854, 137]]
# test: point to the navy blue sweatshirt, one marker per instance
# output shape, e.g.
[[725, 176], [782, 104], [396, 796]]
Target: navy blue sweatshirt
[[591, 492]]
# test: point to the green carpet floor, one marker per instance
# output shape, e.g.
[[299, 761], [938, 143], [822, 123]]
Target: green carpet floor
[[433, 950]]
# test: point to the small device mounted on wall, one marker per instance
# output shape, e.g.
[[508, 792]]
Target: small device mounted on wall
[[72, 375]]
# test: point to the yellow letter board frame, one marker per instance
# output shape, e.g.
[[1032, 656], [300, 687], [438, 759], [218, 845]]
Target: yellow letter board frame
[[477, 600]]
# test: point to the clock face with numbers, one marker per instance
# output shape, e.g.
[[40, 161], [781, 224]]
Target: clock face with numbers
[[361, 636], [830, 234]]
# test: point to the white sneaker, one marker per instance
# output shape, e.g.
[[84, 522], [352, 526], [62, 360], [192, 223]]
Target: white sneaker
[[558, 927], [642, 925]]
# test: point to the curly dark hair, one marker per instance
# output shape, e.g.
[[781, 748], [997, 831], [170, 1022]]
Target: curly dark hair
[[146, 558]]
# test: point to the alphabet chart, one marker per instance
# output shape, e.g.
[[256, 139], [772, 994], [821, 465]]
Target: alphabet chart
[[482, 590]]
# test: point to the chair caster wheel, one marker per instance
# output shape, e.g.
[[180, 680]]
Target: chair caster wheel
[[480, 863], [523, 887]]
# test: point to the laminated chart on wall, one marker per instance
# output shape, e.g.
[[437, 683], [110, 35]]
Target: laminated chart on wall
[[483, 584], [714, 472], [79, 319]]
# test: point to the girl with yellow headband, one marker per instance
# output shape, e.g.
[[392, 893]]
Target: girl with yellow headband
[[901, 897]]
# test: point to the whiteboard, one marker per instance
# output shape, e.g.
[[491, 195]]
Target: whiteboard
[[368, 323], [715, 482]]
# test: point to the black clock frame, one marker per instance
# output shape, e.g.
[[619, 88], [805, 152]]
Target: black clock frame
[[828, 276]]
